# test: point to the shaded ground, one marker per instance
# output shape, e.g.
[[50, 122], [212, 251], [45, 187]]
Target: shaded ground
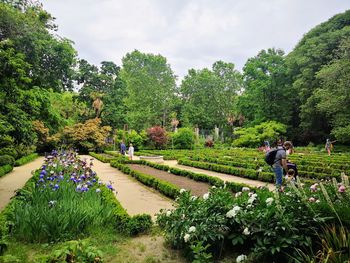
[[133, 196], [197, 188], [16, 180]]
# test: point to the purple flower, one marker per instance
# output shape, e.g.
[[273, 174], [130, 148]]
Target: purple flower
[[110, 187], [56, 186]]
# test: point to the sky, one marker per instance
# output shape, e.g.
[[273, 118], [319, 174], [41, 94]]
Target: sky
[[189, 33]]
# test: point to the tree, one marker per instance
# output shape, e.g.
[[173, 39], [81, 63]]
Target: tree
[[150, 86], [315, 50], [333, 95], [208, 95], [265, 96]]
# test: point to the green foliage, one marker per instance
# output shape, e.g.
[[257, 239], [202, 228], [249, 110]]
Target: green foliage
[[9, 151], [255, 136], [26, 159], [139, 224], [150, 86], [208, 95], [183, 139], [6, 159], [5, 169], [76, 251], [315, 54], [265, 97]]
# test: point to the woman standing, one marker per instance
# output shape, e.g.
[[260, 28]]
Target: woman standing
[[131, 151]]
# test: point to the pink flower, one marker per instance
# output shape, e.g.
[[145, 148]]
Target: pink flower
[[313, 187], [341, 189], [312, 199]]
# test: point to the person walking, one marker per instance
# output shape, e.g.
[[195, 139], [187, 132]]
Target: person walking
[[329, 146], [280, 162], [131, 151], [122, 148]]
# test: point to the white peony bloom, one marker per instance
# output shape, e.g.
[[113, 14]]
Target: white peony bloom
[[168, 213], [238, 194], [187, 238], [233, 212], [206, 196], [245, 189], [241, 258], [193, 197], [269, 201], [246, 231], [192, 229], [182, 190]]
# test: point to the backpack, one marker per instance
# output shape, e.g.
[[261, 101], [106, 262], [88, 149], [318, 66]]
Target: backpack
[[271, 156]]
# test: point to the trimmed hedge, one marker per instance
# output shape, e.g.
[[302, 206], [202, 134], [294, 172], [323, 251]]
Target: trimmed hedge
[[241, 172], [164, 187], [101, 157], [26, 159], [6, 159], [5, 169]]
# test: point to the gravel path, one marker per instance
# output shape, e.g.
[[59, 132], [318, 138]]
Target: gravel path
[[225, 177], [16, 180], [133, 196]]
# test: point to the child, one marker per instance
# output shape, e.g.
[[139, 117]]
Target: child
[[290, 177]]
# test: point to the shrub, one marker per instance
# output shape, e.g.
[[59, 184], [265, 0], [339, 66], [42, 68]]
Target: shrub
[[5, 169], [6, 159], [26, 159], [139, 224], [157, 137], [183, 139], [9, 151]]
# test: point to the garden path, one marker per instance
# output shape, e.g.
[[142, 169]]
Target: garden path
[[16, 179], [133, 196], [222, 176]]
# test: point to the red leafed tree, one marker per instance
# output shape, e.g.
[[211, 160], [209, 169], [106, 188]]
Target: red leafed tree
[[157, 136]]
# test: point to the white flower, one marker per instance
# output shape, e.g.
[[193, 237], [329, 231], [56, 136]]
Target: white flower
[[213, 187], [245, 189], [241, 258], [233, 212], [269, 201], [187, 237], [206, 196], [317, 201], [238, 194], [252, 198], [182, 190], [192, 229], [246, 231], [193, 197], [168, 213]]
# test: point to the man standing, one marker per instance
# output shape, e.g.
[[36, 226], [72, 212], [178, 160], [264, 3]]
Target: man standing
[[280, 161]]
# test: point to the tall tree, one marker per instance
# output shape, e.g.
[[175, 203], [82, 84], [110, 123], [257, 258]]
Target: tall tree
[[265, 96], [315, 50], [150, 86], [208, 95]]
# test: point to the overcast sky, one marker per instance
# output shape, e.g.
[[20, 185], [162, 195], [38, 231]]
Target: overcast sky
[[189, 33]]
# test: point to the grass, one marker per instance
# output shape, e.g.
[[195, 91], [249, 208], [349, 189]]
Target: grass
[[115, 247]]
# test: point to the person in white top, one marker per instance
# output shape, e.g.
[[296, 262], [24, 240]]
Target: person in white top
[[131, 151]]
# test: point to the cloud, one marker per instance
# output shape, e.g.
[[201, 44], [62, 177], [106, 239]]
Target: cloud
[[189, 33]]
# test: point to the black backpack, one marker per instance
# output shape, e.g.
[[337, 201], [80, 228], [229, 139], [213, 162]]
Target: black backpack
[[271, 156]]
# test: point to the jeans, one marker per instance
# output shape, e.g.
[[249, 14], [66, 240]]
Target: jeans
[[279, 174]]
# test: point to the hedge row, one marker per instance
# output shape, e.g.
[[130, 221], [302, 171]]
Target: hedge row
[[164, 187], [234, 187], [26, 159], [5, 169], [304, 171], [241, 172]]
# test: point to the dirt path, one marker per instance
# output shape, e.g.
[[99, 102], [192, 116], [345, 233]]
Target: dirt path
[[16, 180], [133, 196], [197, 188], [225, 177]]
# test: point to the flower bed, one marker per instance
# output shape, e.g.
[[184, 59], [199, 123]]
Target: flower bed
[[262, 226]]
